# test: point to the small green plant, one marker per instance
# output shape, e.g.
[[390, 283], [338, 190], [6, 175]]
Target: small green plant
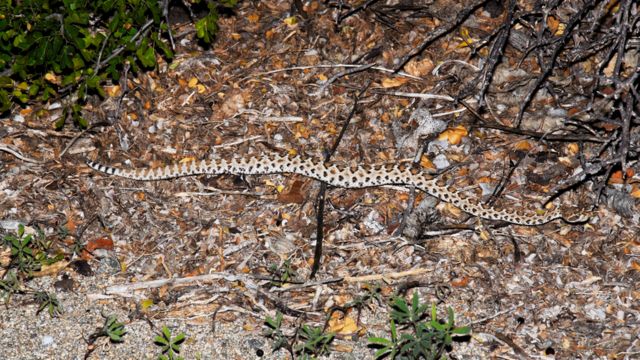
[[111, 328], [48, 301], [423, 340], [22, 256], [9, 285], [28, 253], [308, 342], [274, 332], [170, 345], [282, 274], [316, 341]]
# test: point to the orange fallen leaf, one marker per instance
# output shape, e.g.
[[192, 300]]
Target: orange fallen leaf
[[553, 24], [139, 195], [460, 282], [253, 18], [523, 145], [573, 148], [635, 265], [393, 82], [618, 178], [269, 34], [343, 326], [454, 135], [294, 195], [26, 111], [426, 163], [92, 245]]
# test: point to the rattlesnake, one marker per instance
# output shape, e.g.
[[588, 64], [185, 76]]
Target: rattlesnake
[[359, 177]]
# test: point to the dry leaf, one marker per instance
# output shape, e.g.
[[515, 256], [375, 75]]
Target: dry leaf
[[139, 195], [553, 24], [294, 195], [426, 163], [92, 245], [52, 78], [291, 21], [523, 145], [269, 34], [460, 282], [49, 270], [393, 82], [253, 18], [454, 135], [451, 209], [145, 304], [573, 148], [113, 90], [467, 40], [419, 68], [343, 326]]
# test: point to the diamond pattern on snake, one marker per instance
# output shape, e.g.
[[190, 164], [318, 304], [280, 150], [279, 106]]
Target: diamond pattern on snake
[[345, 177]]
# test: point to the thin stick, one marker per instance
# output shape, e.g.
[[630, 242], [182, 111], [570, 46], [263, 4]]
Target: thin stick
[[17, 154]]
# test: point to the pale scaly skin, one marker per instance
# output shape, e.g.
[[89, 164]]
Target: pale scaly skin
[[360, 177]]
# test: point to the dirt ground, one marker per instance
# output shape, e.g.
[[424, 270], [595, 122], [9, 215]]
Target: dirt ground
[[196, 254]]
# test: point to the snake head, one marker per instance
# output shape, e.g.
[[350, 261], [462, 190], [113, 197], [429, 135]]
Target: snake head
[[575, 216]]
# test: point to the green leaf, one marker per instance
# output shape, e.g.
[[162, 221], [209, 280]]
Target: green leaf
[[382, 353], [6, 82], [166, 50], [465, 330], [179, 339], [160, 340], [93, 82], [5, 103], [146, 56], [33, 90], [207, 27], [59, 124], [82, 122], [380, 341]]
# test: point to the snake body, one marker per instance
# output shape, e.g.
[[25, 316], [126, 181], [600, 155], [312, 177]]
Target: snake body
[[345, 177]]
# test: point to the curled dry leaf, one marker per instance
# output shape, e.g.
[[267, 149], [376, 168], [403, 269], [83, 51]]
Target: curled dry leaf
[[419, 68], [393, 82], [344, 326], [454, 135]]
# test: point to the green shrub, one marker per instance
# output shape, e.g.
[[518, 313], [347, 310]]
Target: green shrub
[[419, 339], [51, 48]]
